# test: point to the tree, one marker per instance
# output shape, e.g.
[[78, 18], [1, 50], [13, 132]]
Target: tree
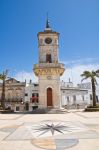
[[3, 77], [92, 75]]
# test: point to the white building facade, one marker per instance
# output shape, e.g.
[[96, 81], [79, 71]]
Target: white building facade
[[71, 97], [88, 97], [31, 96]]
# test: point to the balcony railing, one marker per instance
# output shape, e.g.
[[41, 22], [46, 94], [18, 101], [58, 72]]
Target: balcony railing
[[34, 99], [52, 65]]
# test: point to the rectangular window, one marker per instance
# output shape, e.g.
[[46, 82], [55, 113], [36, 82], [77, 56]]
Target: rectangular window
[[96, 98], [37, 95], [68, 99], [26, 94], [83, 98], [17, 108], [33, 94], [35, 84], [90, 96], [74, 98]]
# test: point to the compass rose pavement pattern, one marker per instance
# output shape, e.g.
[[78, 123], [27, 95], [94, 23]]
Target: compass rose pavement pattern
[[73, 131]]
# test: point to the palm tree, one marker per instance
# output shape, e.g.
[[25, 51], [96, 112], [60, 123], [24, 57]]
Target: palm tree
[[92, 75], [3, 77]]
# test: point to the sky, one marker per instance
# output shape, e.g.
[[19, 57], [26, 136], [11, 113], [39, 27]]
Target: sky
[[77, 21]]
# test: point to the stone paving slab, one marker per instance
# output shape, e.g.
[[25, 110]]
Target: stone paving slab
[[20, 134], [86, 144], [10, 116], [17, 131], [3, 135], [89, 115]]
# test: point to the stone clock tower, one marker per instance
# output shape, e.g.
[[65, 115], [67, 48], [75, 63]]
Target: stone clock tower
[[48, 69]]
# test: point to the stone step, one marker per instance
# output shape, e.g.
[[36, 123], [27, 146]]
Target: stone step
[[56, 111]]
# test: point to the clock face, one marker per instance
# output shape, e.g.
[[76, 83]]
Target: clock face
[[48, 40]]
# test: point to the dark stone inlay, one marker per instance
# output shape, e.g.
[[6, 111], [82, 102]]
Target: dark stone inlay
[[52, 128]]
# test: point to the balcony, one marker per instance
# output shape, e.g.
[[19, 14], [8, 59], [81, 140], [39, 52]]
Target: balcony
[[49, 69], [34, 99], [49, 65]]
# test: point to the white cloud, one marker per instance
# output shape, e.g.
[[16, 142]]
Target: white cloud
[[75, 71], [84, 61], [22, 75]]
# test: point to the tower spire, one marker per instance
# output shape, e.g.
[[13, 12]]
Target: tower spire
[[47, 22], [48, 28]]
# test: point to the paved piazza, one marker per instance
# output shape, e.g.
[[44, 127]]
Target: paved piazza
[[72, 130]]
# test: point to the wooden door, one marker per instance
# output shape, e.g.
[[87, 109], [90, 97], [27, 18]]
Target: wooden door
[[49, 97]]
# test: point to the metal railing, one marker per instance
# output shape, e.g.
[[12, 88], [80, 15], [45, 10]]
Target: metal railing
[[54, 65]]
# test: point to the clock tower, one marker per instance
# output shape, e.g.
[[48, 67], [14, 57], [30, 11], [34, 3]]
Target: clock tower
[[48, 68]]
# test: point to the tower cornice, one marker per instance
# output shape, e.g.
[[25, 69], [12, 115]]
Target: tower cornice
[[49, 69], [48, 32]]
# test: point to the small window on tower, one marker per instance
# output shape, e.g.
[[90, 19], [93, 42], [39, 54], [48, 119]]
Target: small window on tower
[[26, 94], [48, 58], [33, 94]]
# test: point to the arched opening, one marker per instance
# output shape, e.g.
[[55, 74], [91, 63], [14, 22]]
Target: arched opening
[[48, 58], [49, 97]]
